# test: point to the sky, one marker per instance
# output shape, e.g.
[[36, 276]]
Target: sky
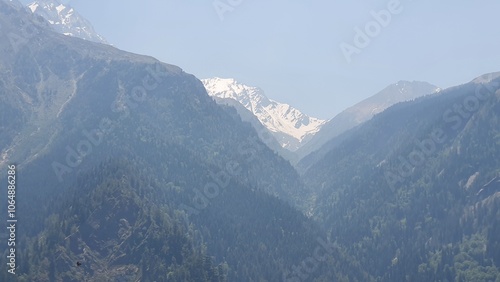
[[319, 56]]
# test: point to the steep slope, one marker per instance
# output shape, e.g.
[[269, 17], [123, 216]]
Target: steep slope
[[62, 82], [127, 166], [413, 193], [365, 110], [289, 126], [112, 229], [238, 111], [65, 20]]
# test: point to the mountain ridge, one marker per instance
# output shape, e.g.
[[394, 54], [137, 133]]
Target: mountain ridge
[[289, 126], [417, 181], [135, 173], [65, 20], [365, 110]]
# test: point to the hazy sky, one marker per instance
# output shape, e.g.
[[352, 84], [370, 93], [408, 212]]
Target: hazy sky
[[291, 49]]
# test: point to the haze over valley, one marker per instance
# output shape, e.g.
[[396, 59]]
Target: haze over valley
[[120, 166]]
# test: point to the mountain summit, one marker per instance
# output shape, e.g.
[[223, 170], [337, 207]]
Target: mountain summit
[[122, 148], [65, 20], [366, 109], [289, 126]]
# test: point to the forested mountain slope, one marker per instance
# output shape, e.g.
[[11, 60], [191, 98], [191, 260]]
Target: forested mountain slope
[[414, 193], [127, 170], [363, 111]]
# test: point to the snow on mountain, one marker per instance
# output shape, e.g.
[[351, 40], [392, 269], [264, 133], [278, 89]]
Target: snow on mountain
[[290, 127], [65, 20]]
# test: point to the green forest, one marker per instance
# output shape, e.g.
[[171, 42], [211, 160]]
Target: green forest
[[171, 186]]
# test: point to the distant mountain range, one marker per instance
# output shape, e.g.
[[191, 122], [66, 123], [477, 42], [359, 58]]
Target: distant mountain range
[[127, 170], [131, 172], [64, 19], [296, 132], [289, 126], [365, 110], [415, 191]]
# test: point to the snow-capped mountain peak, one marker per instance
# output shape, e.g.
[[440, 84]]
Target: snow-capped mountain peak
[[65, 20], [290, 127]]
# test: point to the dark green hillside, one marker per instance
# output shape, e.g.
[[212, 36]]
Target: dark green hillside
[[128, 171], [116, 231], [409, 191], [127, 165], [121, 221], [88, 101]]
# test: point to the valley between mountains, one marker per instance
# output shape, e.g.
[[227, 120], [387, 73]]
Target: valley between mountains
[[130, 169]]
